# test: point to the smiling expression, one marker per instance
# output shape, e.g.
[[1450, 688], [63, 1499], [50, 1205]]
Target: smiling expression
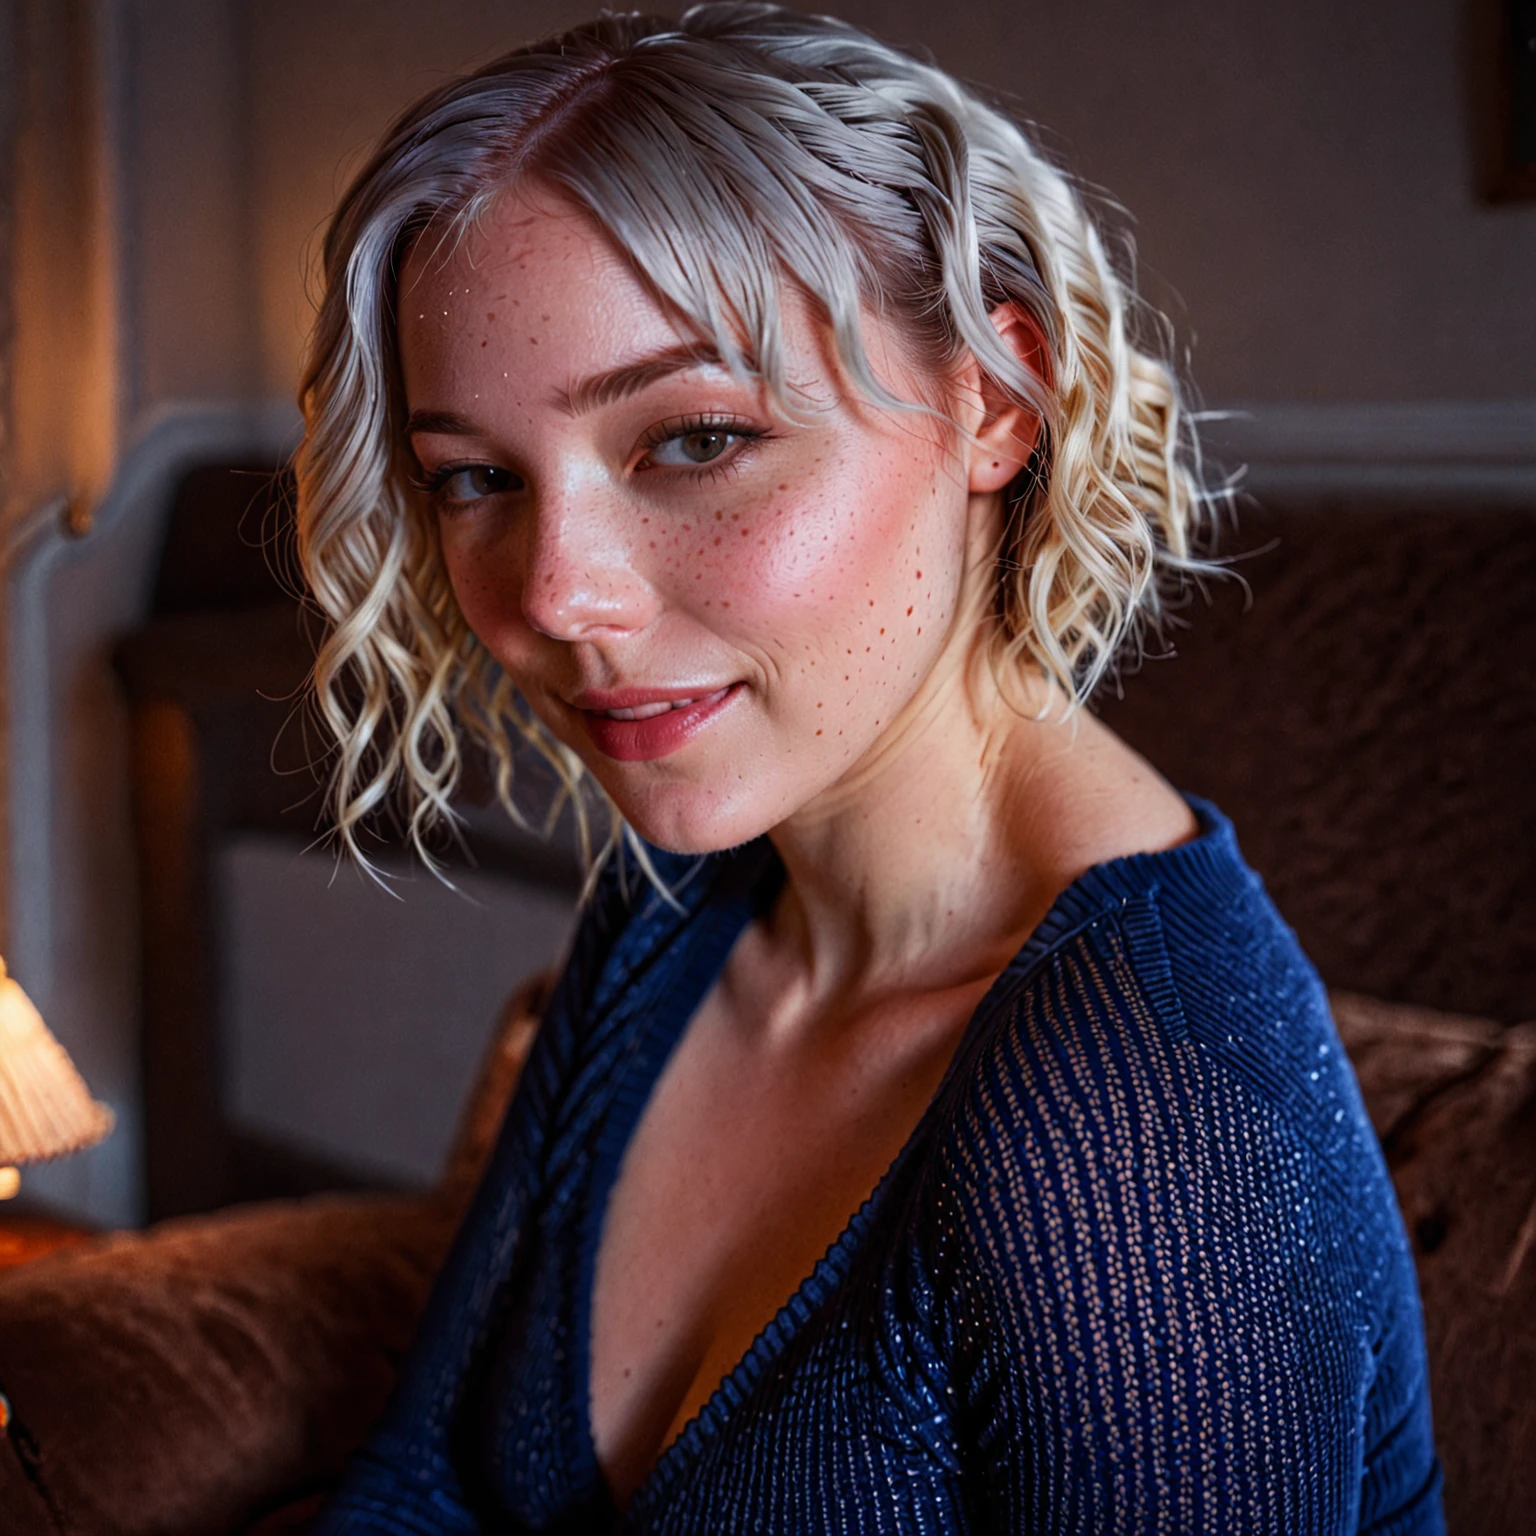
[[724, 610]]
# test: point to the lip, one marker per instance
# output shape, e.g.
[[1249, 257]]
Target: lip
[[663, 719]]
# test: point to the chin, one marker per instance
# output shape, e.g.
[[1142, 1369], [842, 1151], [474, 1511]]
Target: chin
[[694, 820]]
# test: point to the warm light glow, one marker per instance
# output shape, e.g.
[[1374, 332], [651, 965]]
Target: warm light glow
[[46, 1111], [10, 1182]]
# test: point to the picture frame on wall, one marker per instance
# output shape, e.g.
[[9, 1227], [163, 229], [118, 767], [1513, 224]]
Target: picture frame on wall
[[1509, 113]]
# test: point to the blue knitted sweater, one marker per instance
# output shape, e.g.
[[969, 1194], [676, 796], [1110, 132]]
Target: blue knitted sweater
[[1138, 1268]]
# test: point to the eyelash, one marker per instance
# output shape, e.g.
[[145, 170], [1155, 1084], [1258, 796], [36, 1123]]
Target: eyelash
[[730, 463], [431, 485]]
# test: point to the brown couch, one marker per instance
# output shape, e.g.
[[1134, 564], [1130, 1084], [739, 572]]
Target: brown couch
[[207, 1374], [1369, 725]]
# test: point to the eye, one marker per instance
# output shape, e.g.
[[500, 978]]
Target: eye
[[707, 445], [700, 446], [461, 484]]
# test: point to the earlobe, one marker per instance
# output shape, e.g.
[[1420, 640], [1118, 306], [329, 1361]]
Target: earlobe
[[1010, 428]]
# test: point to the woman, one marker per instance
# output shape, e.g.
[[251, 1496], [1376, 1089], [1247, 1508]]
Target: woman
[[948, 1135]]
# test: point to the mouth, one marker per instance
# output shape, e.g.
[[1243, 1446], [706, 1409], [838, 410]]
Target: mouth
[[640, 725], [660, 706]]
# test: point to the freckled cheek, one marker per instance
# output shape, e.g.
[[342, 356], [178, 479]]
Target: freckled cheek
[[847, 575], [489, 591]]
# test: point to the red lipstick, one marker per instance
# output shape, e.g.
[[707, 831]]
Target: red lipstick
[[638, 725]]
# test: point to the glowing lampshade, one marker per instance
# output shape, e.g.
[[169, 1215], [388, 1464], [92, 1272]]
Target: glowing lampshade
[[45, 1108]]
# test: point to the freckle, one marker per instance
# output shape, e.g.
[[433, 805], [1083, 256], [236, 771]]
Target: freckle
[[909, 613], [819, 733], [919, 575], [785, 486], [719, 516], [490, 314], [882, 631], [485, 343], [717, 541], [725, 605], [533, 341], [871, 601]]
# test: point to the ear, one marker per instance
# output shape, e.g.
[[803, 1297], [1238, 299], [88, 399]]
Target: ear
[[1009, 430]]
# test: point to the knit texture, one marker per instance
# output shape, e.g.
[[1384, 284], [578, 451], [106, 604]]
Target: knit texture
[[1138, 1268]]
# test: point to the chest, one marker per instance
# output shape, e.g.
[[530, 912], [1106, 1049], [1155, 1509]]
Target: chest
[[747, 1164]]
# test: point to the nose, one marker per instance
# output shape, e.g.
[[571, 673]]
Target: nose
[[582, 579]]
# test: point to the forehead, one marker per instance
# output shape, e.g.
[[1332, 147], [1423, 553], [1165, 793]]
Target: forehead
[[533, 289], [528, 263]]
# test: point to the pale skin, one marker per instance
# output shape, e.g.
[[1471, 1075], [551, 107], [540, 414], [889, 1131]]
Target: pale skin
[[835, 573]]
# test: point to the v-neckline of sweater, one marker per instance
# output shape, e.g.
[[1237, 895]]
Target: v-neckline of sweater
[[720, 924]]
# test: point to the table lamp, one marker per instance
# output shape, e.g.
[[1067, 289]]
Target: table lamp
[[46, 1110]]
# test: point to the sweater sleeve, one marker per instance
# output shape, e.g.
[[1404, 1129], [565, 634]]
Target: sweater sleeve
[[1170, 1312]]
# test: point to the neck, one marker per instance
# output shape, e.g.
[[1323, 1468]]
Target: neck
[[929, 863]]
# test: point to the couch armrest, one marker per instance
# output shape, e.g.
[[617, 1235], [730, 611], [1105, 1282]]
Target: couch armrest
[[198, 1376], [190, 1378]]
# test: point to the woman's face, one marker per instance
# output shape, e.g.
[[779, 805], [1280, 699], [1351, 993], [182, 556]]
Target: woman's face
[[728, 614]]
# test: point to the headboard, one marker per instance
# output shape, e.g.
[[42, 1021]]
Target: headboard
[[1368, 720]]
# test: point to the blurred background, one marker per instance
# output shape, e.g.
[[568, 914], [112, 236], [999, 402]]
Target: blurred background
[[1331, 200]]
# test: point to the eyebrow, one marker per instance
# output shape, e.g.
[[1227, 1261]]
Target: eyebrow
[[448, 423], [629, 378], [584, 395]]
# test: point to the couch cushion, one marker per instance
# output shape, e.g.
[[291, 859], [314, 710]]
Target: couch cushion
[[1454, 1101], [187, 1380]]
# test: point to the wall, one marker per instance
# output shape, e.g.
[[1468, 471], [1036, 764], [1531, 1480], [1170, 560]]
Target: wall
[[1303, 183], [132, 350], [1302, 175]]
